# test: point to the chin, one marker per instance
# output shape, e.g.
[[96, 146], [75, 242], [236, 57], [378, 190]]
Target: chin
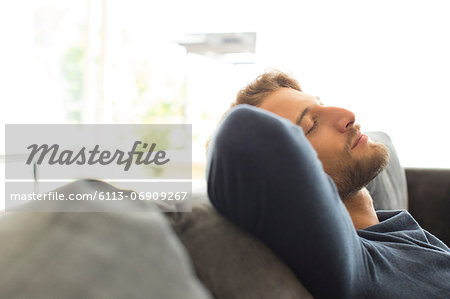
[[352, 174], [379, 157]]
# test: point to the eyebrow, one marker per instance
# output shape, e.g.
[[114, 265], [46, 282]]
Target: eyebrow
[[307, 109], [301, 116]]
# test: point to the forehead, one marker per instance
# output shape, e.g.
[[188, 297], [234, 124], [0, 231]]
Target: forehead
[[288, 102]]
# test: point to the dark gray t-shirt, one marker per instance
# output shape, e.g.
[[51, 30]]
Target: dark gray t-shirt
[[264, 176], [400, 253]]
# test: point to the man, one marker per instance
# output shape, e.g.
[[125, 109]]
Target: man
[[293, 172]]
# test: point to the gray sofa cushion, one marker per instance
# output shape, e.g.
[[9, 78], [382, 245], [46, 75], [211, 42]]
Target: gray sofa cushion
[[389, 189], [94, 255], [230, 262]]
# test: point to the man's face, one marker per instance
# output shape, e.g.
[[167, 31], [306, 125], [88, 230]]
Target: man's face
[[350, 158]]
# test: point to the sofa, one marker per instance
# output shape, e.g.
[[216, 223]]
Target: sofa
[[197, 254]]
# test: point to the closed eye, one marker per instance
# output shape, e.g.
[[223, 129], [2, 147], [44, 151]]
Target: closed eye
[[313, 127]]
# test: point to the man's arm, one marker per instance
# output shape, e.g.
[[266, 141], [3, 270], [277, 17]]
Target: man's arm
[[264, 175]]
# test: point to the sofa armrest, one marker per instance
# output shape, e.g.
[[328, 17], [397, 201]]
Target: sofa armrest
[[429, 200]]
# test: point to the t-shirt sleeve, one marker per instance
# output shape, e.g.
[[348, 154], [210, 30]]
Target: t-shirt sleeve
[[264, 175]]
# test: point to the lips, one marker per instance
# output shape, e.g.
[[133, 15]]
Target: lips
[[357, 139]]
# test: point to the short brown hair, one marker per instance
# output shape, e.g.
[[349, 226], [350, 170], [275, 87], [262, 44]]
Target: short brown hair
[[256, 91]]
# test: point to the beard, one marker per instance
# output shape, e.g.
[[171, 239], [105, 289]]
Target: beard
[[351, 173]]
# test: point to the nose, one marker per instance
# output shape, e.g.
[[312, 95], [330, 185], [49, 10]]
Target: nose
[[342, 119]]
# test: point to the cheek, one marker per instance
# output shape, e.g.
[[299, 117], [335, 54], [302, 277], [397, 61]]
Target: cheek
[[330, 149], [325, 145]]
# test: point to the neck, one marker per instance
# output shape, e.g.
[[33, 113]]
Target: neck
[[360, 207]]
